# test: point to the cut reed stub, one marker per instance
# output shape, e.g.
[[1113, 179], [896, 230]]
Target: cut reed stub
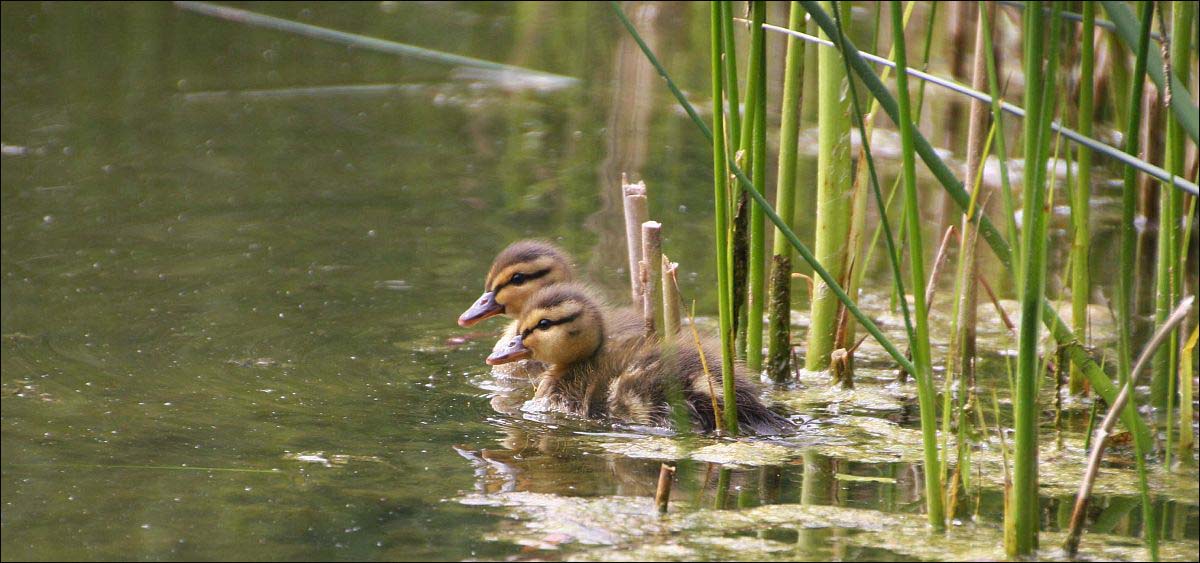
[[634, 197], [652, 277], [671, 302], [662, 497]]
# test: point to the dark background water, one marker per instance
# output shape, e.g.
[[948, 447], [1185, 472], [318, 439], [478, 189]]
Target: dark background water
[[232, 260]]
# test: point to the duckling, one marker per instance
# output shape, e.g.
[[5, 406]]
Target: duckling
[[519, 271], [516, 274], [593, 372]]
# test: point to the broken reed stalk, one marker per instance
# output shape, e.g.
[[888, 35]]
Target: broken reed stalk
[[720, 201], [662, 496], [833, 200], [652, 302], [1071, 544], [921, 354], [635, 215], [987, 288], [939, 262], [779, 325], [1081, 283], [670, 298]]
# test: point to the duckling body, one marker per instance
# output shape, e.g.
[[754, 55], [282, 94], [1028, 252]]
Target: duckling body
[[596, 372]]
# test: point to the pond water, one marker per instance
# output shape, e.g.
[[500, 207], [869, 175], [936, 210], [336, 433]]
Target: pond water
[[233, 258]]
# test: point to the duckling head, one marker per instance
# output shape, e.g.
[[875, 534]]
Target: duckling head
[[562, 324], [518, 272]]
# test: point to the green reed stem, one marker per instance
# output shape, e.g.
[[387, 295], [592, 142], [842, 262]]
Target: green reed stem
[[1125, 276], [1169, 277], [859, 255], [1081, 284], [1006, 191], [755, 278], [920, 348], [1040, 109], [779, 326], [720, 199], [868, 158], [833, 200], [1129, 207], [744, 158], [731, 74]]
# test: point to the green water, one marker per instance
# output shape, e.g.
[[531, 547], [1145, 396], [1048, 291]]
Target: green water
[[232, 260]]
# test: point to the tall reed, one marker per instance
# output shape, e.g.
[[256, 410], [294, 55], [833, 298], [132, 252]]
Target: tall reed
[[754, 279], [1081, 286], [721, 201], [729, 46], [1039, 107], [1141, 443], [744, 158], [779, 327], [921, 353], [1169, 275], [833, 199]]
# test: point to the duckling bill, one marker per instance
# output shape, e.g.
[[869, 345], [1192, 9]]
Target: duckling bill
[[596, 370]]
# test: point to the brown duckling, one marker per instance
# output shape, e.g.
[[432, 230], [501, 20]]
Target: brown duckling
[[519, 271], [516, 274], [594, 372]]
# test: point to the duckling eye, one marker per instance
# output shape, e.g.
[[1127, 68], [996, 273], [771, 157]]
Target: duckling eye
[[517, 279], [543, 324]]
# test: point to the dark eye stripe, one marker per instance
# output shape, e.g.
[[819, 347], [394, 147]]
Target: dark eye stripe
[[563, 320], [533, 276]]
